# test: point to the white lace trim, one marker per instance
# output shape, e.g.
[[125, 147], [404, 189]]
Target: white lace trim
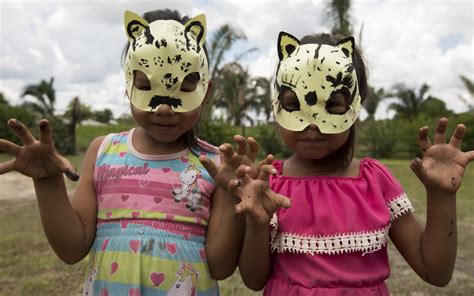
[[399, 206], [366, 241], [363, 241]]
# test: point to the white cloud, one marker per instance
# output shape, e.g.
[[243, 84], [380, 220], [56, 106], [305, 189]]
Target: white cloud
[[80, 44]]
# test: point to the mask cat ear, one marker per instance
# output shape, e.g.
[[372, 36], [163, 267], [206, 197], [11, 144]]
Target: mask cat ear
[[287, 44], [197, 27], [347, 45], [134, 25]]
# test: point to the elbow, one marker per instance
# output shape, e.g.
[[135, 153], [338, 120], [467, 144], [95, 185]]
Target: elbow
[[254, 284], [70, 261], [221, 273], [443, 282]]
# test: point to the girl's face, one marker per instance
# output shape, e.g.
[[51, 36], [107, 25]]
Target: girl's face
[[164, 125], [311, 143]]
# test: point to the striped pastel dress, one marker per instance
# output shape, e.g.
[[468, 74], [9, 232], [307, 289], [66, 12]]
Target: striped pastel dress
[[153, 212]]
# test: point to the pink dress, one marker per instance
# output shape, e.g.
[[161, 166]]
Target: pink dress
[[333, 239]]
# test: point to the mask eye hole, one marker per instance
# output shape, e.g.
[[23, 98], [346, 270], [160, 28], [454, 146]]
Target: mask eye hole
[[141, 81], [190, 82], [288, 100], [338, 103]]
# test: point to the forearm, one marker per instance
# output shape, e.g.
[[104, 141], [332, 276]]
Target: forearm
[[61, 224], [224, 243], [254, 263], [439, 241]]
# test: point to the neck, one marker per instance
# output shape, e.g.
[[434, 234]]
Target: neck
[[146, 144], [327, 166]]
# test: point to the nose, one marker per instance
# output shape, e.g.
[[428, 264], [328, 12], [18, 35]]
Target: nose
[[164, 109], [313, 127]]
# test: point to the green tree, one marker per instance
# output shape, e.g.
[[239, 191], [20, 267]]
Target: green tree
[[239, 93], [104, 116], [3, 100], [435, 108], [469, 84], [339, 12], [76, 112], [45, 95], [409, 102], [219, 45], [8, 111], [373, 100]]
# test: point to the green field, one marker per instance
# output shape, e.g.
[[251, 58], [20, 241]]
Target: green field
[[28, 266]]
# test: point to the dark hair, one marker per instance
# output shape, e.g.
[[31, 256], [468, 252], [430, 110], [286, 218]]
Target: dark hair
[[168, 14], [343, 156]]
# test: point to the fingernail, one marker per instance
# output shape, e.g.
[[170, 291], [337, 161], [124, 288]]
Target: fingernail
[[42, 125], [72, 175], [274, 171], [12, 123]]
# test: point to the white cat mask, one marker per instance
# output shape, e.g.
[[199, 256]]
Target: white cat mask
[[166, 51], [315, 73]]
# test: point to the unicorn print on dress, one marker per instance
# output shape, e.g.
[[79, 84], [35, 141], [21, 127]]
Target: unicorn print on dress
[[87, 289], [189, 189], [185, 284]]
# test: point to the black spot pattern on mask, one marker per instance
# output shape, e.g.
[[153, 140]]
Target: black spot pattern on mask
[[149, 37], [169, 81], [353, 95], [164, 100], [316, 52], [311, 98], [161, 43], [350, 68], [346, 52], [289, 49], [185, 66], [199, 37], [144, 62]]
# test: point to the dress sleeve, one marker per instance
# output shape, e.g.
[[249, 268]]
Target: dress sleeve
[[392, 191], [105, 143], [210, 150]]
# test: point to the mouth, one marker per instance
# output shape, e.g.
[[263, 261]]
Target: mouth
[[312, 140], [164, 125]]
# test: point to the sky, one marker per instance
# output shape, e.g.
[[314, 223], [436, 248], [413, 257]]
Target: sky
[[79, 43]]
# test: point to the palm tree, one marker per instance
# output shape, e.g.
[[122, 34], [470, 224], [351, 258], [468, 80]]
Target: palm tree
[[3, 100], [409, 102], [45, 94], [338, 12], [239, 93], [372, 102], [221, 42], [469, 84]]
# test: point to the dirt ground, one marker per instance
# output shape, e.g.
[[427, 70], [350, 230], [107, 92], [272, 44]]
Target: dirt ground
[[11, 183], [403, 281]]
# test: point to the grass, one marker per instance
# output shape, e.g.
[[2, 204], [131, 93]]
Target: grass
[[28, 266]]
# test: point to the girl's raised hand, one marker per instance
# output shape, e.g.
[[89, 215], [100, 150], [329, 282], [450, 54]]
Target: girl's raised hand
[[257, 200], [245, 154], [442, 167], [36, 158]]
